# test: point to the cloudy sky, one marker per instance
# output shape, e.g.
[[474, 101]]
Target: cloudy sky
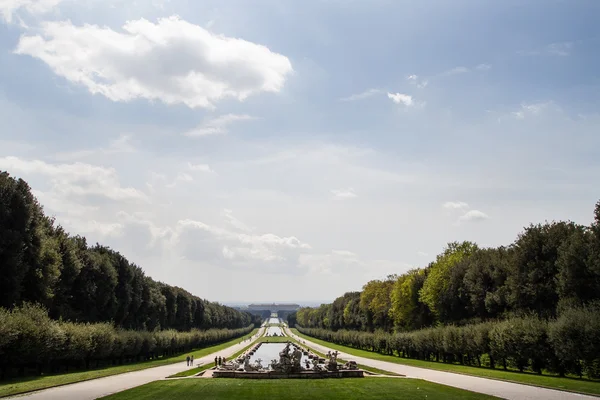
[[275, 150]]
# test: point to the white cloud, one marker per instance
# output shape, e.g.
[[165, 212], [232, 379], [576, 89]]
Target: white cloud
[[173, 61], [414, 80], [237, 248], [363, 95], [561, 49], [455, 71], [77, 179], [120, 145], [199, 167], [344, 253], [400, 98], [217, 125], [344, 193], [455, 205], [9, 7], [181, 177], [483, 67], [422, 253], [530, 110], [474, 215]]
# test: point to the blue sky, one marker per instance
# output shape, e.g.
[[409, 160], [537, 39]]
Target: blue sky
[[300, 148]]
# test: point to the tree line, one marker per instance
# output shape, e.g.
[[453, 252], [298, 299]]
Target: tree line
[[567, 344], [31, 341], [548, 274], [41, 263]]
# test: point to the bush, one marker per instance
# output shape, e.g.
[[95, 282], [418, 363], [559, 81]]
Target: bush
[[29, 338], [569, 344]]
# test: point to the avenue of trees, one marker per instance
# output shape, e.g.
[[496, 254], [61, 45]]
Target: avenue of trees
[[48, 275], [30, 341], [534, 304]]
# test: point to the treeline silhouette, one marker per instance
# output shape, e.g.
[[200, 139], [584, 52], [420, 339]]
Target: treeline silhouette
[[91, 289], [534, 304]]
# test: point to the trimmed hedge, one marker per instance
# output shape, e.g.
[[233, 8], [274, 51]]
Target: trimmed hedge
[[29, 338], [569, 344]]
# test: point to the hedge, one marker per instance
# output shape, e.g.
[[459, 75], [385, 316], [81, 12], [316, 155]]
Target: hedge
[[569, 344], [30, 339]]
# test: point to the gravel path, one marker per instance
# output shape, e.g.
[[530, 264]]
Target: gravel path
[[504, 390], [101, 387]]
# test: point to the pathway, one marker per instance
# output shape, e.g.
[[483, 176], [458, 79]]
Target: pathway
[[502, 389], [95, 388]]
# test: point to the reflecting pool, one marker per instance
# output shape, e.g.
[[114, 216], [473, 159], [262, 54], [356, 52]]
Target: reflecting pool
[[268, 352]]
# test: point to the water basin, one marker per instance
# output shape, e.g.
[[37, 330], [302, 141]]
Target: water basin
[[270, 351]]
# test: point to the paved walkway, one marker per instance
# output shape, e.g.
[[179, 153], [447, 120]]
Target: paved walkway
[[93, 389], [504, 390]]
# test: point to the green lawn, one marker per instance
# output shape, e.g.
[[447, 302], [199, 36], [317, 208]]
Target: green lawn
[[31, 383], [554, 382], [275, 339], [192, 372], [296, 389]]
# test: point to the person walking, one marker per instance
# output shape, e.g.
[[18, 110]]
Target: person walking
[[219, 360], [216, 361], [192, 360], [187, 360]]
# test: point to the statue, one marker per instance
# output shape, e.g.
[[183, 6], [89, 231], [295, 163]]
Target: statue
[[288, 362], [351, 365], [249, 367], [331, 364]]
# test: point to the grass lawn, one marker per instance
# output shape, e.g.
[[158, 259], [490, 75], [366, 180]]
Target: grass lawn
[[31, 383], [193, 371], [554, 382], [296, 389], [275, 339]]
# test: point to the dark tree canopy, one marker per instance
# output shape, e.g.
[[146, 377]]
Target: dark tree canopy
[[41, 263]]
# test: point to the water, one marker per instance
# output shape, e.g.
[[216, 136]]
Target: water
[[274, 320], [272, 330], [270, 351]]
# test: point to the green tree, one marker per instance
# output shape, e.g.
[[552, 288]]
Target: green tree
[[436, 287], [532, 278]]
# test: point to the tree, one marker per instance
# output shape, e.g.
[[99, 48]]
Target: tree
[[531, 280], [436, 287], [375, 302], [406, 311], [19, 237], [485, 282]]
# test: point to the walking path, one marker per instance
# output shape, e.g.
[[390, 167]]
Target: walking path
[[95, 388], [502, 389]]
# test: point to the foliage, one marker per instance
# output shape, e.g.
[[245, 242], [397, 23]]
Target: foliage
[[548, 268], [41, 263], [30, 338], [568, 344]]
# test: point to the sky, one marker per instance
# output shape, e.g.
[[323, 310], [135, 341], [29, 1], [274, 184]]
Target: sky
[[275, 150]]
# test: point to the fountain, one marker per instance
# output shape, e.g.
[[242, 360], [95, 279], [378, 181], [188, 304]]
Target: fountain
[[289, 365]]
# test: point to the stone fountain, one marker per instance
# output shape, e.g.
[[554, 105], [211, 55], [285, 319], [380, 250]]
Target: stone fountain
[[289, 365]]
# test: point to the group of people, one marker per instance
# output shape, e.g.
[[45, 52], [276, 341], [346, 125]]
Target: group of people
[[190, 360], [219, 361]]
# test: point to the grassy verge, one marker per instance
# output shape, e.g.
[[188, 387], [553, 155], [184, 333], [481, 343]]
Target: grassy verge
[[553, 382], [192, 372], [32, 383], [274, 339], [296, 389]]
